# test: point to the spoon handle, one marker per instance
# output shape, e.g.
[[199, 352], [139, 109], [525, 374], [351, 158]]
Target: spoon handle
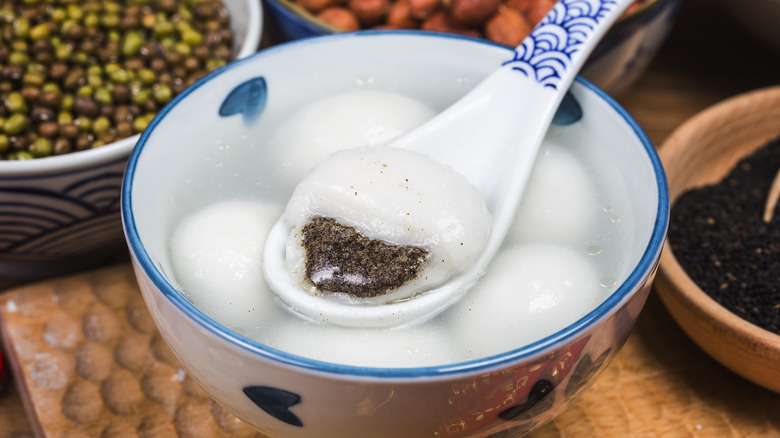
[[492, 134], [496, 128], [548, 60], [558, 46]]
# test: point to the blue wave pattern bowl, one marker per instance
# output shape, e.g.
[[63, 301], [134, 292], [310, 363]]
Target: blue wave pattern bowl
[[616, 63], [215, 131], [60, 214]]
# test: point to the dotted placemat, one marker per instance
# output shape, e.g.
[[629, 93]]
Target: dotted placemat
[[88, 361]]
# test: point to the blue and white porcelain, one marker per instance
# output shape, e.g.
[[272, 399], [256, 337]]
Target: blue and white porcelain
[[206, 147], [617, 62], [60, 214]]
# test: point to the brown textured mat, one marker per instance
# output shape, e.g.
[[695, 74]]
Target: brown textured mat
[[88, 361]]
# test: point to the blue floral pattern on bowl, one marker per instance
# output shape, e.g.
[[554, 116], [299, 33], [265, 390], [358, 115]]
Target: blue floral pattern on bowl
[[276, 402], [248, 98]]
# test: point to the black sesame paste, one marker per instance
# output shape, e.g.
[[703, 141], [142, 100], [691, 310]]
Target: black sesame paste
[[340, 259], [720, 238]]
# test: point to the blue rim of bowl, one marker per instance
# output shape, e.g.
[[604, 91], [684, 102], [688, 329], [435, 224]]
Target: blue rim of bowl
[[636, 278]]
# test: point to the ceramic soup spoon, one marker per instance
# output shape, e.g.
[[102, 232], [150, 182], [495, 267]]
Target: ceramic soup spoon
[[507, 116]]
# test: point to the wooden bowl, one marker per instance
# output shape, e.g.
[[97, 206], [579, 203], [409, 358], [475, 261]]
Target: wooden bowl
[[699, 152]]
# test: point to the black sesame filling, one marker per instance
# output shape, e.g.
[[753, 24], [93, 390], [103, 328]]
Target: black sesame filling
[[339, 259]]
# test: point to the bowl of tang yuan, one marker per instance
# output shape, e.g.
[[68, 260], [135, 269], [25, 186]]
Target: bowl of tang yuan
[[216, 169]]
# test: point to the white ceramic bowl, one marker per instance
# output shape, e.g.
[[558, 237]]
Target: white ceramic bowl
[[60, 214], [220, 158]]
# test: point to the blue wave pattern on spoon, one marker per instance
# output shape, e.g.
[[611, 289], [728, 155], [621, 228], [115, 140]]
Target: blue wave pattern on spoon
[[553, 44]]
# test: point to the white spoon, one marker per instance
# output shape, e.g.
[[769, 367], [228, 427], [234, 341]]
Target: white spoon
[[507, 116]]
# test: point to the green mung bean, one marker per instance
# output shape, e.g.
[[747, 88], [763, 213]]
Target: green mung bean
[[41, 147], [15, 124], [79, 74], [16, 103]]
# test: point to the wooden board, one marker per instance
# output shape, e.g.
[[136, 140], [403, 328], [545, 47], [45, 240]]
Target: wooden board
[[88, 361]]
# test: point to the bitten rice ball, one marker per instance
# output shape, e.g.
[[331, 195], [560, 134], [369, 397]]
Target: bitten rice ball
[[396, 196]]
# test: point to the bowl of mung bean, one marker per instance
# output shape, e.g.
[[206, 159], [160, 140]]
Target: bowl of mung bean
[[719, 270], [79, 82]]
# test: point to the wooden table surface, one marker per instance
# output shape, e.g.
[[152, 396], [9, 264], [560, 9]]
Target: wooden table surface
[[661, 384]]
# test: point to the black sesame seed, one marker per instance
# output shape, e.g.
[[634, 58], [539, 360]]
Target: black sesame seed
[[718, 235]]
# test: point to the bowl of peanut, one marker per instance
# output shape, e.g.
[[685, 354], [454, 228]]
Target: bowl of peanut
[[615, 64]]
